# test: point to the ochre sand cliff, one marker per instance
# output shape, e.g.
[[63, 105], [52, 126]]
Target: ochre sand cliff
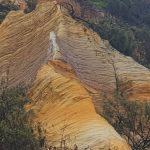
[[27, 42], [66, 112]]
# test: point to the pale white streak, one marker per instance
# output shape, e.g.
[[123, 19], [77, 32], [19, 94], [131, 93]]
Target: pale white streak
[[54, 51]]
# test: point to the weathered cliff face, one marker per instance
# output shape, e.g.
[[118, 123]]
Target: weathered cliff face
[[101, 67], [66, 112], [25, 46], [29, 41], [82, 10]]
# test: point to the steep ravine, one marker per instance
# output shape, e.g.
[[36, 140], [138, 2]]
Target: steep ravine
[[59, 93]]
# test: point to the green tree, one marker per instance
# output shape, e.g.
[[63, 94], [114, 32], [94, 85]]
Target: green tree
[[15, 130], [31, 5], [130, 119], [5, 9]]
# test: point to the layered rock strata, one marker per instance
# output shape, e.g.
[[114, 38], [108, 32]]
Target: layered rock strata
[[28, 41], [66, 113], [25, 44]]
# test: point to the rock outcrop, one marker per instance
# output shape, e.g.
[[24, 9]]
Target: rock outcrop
[[66, 113], [25, 46], [84, 10], [27, 42]]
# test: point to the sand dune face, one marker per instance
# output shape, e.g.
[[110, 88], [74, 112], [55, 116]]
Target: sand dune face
[[101, 67], [28, 42], [66, 112], [24, 46]]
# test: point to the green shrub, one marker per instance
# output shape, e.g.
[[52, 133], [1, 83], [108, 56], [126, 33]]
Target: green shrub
[[5, 9], [31, 5], [130, 119], [122, 39], [121, 17], [15, 130], [100, 4]]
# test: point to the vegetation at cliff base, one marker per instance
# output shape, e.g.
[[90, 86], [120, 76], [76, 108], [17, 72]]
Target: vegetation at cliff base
[[130, 119], [15, 130]]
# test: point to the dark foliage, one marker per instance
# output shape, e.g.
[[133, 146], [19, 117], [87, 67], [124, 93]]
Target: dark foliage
[[15, 130], [31, 5], [134, 12], [5, 8], [131, 120], [127, 27], [120, 38]]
